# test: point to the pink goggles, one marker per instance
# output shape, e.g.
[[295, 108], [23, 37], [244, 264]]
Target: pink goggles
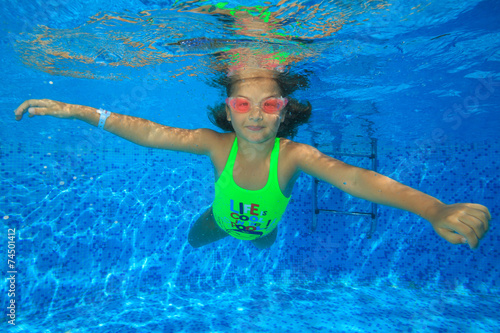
[[269, 105]]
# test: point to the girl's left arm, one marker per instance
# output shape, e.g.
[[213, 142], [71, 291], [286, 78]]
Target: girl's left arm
[[457, 223]]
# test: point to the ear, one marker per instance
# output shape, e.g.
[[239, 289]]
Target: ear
[[228, 113], [283, 114]]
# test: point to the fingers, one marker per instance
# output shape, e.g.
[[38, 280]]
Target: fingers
[[36, 111], [476, 217], [451, 236], [476, 224], [481, 213], [21, 109], [458, 232], [465, 233], [464, 221], [30, 106]]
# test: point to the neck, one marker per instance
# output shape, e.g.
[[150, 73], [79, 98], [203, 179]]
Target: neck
[[255, 151]]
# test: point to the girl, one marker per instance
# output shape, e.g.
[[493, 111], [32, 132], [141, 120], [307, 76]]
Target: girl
[[256, 170]]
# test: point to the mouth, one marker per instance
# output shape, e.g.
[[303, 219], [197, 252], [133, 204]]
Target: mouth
[[255, 128]]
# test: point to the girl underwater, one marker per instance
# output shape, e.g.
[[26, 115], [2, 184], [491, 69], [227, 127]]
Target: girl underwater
[[255, 165], [256, 168]]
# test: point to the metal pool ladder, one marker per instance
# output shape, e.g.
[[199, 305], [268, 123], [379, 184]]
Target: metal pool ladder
[[372, 214]]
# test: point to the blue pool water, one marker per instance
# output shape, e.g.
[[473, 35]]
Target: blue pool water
[[101, 224]]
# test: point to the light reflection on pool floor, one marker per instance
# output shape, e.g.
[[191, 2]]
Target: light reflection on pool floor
[[274, 308]]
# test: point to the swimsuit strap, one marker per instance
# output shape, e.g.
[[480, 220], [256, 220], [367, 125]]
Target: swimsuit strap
[[273, 166], [231, 158], [272, 179]]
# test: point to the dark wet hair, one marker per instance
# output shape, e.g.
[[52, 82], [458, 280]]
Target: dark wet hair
[[296, 112]]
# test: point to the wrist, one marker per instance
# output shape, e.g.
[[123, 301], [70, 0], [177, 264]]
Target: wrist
[[79, 112], [432, 210], [103, 116], [85, 113]]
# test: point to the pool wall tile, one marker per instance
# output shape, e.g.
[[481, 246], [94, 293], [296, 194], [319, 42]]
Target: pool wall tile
[[122, 215]]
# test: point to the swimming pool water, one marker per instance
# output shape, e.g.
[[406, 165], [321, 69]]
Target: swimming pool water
[[307, 307], [101, 224]]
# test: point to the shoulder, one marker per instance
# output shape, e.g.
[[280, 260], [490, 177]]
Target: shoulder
[[207, 134], [214, 142], [295, 153], [204, 140], [296, 149], [309, 159]]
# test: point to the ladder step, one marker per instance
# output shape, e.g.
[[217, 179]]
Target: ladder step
[[373, 214], [344, 212]]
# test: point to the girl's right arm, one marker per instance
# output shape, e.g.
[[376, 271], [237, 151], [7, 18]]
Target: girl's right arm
[[137, 130]]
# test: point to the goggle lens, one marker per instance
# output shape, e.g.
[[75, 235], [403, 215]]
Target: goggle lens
[[270, 105], [241, 105]]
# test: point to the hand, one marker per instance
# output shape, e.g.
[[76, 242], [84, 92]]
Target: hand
[[44, 107], [462, 223]]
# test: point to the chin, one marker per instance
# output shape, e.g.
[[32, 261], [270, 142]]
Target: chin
[[260, 138]]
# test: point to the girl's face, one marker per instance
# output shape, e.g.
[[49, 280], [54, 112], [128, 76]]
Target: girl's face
[[255, 126]]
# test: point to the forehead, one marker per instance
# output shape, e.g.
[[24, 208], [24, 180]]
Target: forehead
[[255, 85]]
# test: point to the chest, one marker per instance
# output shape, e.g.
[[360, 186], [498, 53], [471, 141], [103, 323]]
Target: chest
[[253, 175]]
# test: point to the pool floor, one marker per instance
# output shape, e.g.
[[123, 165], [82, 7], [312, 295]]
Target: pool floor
[[275, 308]]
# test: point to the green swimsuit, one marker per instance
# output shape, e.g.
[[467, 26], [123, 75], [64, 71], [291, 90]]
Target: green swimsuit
[[246, 214]]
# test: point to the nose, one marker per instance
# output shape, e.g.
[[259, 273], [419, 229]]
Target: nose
[[255, 112]]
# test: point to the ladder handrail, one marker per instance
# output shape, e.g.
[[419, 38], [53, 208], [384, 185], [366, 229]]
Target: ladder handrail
[[372, 214]]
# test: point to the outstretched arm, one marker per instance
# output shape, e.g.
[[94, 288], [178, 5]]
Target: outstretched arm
[[137, 130], [457, 223]]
